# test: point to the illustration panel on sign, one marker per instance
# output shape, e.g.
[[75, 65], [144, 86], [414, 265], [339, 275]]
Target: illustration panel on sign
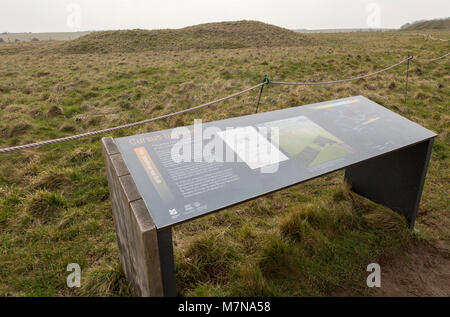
[[308, 142]]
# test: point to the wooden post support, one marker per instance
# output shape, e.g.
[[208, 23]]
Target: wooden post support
[[149, 271]]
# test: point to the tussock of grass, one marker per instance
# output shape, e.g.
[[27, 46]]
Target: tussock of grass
[[260, 207], [9, 199], [53, 179], [208, 258], [387, 220], [276, 253], [342, 193], [55, 111], [248, 236], [251, 282], [106, 281], [93, 121], [80, 155], [66, 127], [207, 290], [44, 205], [295, 226], [16, 129]]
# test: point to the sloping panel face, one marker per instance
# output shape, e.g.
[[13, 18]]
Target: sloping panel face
[[187, 173]]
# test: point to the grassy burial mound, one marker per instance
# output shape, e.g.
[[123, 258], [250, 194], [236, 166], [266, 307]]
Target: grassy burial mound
[[316, 238], [240, 34]]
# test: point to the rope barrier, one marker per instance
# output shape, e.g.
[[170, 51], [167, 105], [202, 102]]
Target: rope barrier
[[83, 135], [442, 40], [431, 59], [340, 80], [266, 81], [432, 38]]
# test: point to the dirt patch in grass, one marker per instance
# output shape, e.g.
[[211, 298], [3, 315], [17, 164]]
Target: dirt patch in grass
[[422, 271]]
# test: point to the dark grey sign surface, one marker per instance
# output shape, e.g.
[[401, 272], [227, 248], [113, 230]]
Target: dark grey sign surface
[[313, 140]]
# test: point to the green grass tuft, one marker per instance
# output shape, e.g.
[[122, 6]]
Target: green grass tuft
[[106, 281], [45, 205]]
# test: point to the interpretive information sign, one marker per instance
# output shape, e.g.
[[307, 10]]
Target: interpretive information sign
[[185, 173]]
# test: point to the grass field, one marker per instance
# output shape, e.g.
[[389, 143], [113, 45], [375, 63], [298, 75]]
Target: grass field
[[312, 239]]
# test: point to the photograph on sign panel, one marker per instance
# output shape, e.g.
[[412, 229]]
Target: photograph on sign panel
[[308, 142]]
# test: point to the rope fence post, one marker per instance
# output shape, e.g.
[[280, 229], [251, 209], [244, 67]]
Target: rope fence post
[[265, 81], [407, 76]]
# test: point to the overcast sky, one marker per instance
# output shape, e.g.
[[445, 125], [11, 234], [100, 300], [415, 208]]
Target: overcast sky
[[78, 15]]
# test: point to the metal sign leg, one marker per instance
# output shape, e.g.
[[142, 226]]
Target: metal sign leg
[[165, 247], [395, 179]]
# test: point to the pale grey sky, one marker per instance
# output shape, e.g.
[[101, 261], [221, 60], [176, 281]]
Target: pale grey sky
[[76, 15]]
